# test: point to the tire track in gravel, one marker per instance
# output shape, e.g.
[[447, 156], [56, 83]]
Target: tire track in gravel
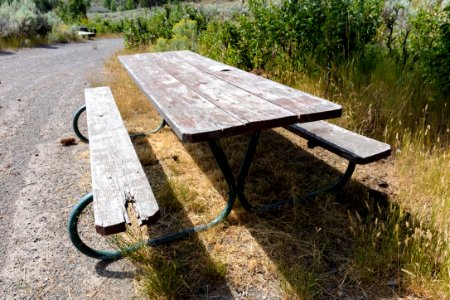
[[40, 89]]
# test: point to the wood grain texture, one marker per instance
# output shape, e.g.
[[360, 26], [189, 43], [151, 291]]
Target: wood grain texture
[[191, 116], [306, 106], [345, 143], [254, 111], [118, 178], [202, 99]]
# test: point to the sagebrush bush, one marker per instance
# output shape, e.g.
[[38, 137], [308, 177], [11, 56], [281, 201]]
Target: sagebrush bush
[[61, 33], [22, 18], [23, 24]]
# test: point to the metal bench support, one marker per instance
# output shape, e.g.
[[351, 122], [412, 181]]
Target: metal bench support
[[238, 185], [235, 189], [165, 239], [75, 120], [79, 112]]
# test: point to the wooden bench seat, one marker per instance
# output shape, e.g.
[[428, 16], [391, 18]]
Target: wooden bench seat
[[347, 144], [118, 178]]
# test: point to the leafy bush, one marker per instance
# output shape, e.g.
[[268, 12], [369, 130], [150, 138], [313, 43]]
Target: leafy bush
[[23, 24], [22, 19], [136, 34], [62, 34], [184, 37], [159, 23], [73, 10], [222, 41], [104, 25], [429, 45]]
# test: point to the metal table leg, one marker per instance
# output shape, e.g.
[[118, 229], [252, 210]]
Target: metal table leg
[[239, 184], [235, 189]]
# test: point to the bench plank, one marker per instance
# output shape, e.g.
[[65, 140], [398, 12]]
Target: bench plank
[[255, 111], [191, 116], [352, 146], [308, 107], [118, 178]]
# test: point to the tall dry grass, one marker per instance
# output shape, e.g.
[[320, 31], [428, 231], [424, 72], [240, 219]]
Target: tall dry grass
[[363, 241]]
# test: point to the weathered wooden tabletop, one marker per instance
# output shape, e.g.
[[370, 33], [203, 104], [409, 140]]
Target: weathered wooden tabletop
[[202, 99]]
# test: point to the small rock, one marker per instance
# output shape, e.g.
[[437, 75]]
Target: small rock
[[36, 154], [19, 99]]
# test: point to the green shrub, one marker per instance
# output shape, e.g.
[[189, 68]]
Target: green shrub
[[429, 45], [62, 34], [21, 20], [73, 10], [221, 41], [159, 23], [23, 24], [184, 37]]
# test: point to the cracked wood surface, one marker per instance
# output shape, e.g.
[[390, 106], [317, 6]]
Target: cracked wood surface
[[202, 99], [118, 178]]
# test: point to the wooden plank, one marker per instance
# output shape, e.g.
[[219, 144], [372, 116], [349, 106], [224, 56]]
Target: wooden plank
[[190, 115], [256, 112], [345, 143], [306, 106], [117, 175]]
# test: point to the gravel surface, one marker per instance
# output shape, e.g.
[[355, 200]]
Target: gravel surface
[[40, 180]]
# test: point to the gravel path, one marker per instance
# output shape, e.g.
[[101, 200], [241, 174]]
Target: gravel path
[[41, 180]]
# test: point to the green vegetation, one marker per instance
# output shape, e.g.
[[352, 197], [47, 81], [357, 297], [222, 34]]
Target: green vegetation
[[22, 19], [28, 22], [72, 11], [32, 22]]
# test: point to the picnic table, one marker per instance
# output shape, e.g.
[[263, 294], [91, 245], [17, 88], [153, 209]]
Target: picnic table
[[86, 32], [202, 100]]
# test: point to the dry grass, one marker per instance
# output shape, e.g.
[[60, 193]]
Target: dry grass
[[426, 173], [344, 246], [424, 177]]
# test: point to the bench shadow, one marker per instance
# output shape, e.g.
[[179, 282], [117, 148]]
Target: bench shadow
[[182, 269], [315, 245]]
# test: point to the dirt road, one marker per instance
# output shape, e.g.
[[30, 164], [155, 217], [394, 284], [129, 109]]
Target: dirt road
[[40, 179]]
